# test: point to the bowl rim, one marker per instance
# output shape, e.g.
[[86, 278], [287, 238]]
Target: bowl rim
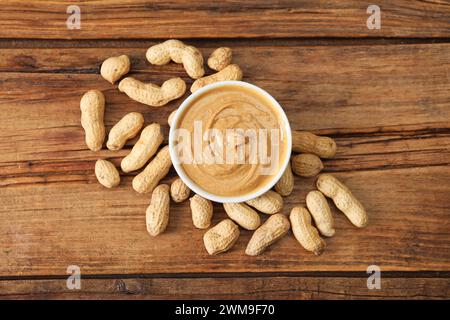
[[191, 184]]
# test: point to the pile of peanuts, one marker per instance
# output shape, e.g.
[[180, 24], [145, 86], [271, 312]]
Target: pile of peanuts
[[223, 236]]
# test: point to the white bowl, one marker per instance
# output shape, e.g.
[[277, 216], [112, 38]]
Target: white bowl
[[191, 184]]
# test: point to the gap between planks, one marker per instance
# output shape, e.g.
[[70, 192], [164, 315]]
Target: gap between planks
[[12, 43], [315, 274]]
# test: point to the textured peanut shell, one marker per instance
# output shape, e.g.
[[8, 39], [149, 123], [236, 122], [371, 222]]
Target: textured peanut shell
[[147, 145], [285, 185], [107, 174], [269, 202], [192, 60], [221, 237], [306, 165], [127, 128], [157, 214], [307, 142], [114, 68], [171, 117], [243, 215], [343, 198], [92, 107], [273, 229], [157, 169], [161, 54], [178, 52], [202, 211], [231, 72], [220, 58], [321, 212], [179, 191], [151, 94], [304, 232]]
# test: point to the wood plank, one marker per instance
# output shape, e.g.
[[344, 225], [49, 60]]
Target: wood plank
[[350, 81], [45, 227], [278, 288], [415, 132], [139, 19]]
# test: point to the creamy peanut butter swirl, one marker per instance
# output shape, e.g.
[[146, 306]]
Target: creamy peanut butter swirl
[[241, 124]]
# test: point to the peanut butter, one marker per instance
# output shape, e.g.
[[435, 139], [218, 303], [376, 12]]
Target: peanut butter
[[232, 126]]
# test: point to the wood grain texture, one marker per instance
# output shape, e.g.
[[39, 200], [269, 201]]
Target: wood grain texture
[[285, 288], [140, 19], [408, 123], [381, 90], [387, 113], [47, 226]]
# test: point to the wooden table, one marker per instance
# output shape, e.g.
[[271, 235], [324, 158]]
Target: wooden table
[[384, 95]]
